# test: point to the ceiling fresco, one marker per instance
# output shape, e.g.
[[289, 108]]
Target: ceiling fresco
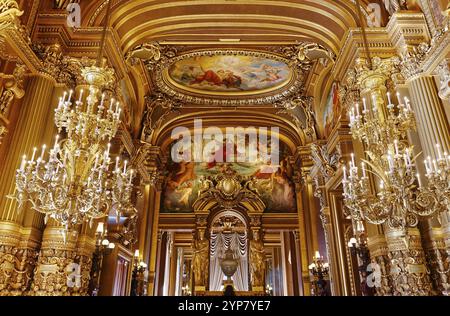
[[231, 74]]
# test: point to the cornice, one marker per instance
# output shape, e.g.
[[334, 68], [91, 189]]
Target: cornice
[[440, 49], [353, 48]]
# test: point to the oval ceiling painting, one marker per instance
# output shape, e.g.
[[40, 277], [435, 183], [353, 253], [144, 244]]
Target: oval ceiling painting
[[229, 74]]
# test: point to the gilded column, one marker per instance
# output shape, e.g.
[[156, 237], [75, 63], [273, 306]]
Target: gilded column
[[433, 128], [432, 124], [408, 264], [28, 133], [406, 260]]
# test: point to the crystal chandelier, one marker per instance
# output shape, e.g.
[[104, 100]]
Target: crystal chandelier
[[399, 201], [76, 183], [438, 176]]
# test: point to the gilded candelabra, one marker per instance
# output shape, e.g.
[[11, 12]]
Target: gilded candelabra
[[77, 184], [360, 251], [102, 247], [138, 279], [401, 199], [438, 176], [320, 270]]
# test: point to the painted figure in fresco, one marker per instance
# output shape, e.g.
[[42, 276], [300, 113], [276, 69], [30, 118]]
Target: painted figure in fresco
[[283, 191], [180, 186], [272, 73], [333, 109], [230, 80], [185, 173], [209, 77]]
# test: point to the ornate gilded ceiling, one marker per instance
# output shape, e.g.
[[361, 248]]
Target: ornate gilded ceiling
[[217, 54]]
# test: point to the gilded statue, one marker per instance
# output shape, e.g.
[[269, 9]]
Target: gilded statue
[[257, 261], [200, 260]]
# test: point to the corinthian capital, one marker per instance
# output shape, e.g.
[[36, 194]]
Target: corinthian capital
[[412, 60], [375, 77], [64, 69]]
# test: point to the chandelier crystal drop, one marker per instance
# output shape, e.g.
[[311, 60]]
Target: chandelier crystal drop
[[76, 181], [400, 199]]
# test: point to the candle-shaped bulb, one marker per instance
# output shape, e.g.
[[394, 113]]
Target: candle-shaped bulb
[[363, 166], [389, 98], [70, 95], [365, 104], [24, 161], [125, 166], [418, 180], [43, 151], [34, 153], [56, 141], [131, 177], [438, 148], [81, 95], [399, 98], [353, 159], [117, 163], [396, 146], [103, 100], [357, 109], [344, 169], [436, 169]]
